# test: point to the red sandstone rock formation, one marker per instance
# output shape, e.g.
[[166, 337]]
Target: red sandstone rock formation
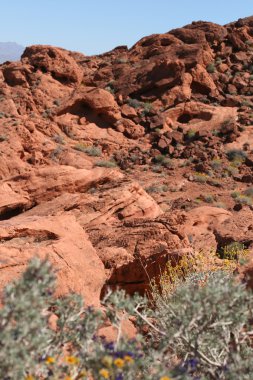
[[112, 165]]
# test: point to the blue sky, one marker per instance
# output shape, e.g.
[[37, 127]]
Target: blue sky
[[96, 26]]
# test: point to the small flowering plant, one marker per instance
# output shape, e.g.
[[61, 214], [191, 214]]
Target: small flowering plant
[[202, 330], [31, 350]]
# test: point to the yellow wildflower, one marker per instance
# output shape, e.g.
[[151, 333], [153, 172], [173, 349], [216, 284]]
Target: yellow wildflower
[[119, 362], [105, 373], [29, 377], [128, 359], [50, 360], [165, 378], [72, 360], [68, 378]]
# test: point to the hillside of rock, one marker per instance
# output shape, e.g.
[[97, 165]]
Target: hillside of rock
[[112, 165]]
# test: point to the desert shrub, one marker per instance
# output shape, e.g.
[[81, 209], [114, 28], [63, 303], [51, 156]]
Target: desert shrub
[[163, 161], [236, 155], [59, 139], [235, 194], [211, 68], [157, 189], [249, 192], [147, 108], [157, 168], [57, 102], [47, 113], [199, 329], [232, 170], [122, 60], [215, 182], [110, 89], [31, 350], [106, 164], [205, 323], [208, 198], [233, 251], [54, 155], [90, 150], [174, 273], [242, 198], [134, 103], [200, 177], [3, 138], [216, 163], [191, 133]]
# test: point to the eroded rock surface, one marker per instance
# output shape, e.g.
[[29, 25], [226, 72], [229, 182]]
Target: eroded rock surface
[[113, 165]]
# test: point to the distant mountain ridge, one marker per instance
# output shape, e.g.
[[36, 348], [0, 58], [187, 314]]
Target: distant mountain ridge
[[10, 51]]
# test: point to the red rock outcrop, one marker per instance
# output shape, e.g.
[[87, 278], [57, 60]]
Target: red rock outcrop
[[112, 165]]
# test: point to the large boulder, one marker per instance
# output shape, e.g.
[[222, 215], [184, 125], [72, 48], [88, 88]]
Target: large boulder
[[63, 242], [58, 62]]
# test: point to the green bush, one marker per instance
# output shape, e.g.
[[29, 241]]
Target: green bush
[[206, 323], [211, 68], [233, 251], [163, 160], [90, 150], [31, 350], [191, 133], [244, 198], [157, 189], [3, 138], [106, 164], [236, 155], [135, 103]]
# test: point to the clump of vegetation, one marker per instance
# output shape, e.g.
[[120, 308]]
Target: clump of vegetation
[[3, 138], [110, 89], [54, 155], [147, 108], [59, 139], [236, 155], [57, 102], [233, 251], [201, 319], [106, 164], [163, 161], [191, 134], [31, 350], [245, 198], [211, 68], [90, 150], [232, 170], [215, 182], [208, 198], [197, 324], [249, 192], [216, 163], [47, 113], [200, 177], [157, 189], [134, 103], [122, 60]]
